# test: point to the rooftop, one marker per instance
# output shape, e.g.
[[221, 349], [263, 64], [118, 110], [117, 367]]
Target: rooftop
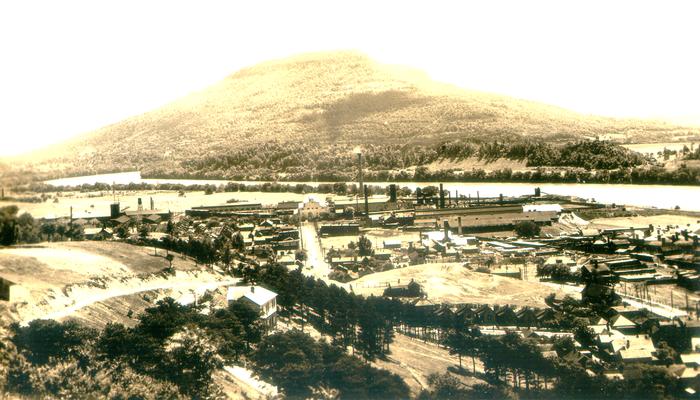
[[257, 294]]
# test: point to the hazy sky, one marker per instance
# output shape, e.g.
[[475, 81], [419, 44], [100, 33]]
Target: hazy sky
[[67, 67]]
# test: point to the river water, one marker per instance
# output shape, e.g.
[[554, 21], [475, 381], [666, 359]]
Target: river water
[[659, 196]]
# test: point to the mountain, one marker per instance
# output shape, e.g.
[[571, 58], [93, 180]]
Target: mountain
[[302, 112]]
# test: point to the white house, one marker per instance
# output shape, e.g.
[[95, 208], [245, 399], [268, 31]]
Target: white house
[[261, 299]]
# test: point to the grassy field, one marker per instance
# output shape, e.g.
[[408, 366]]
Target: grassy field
[[474, 163], [452, 283], [654, 148], [414, 360], [656, 220]]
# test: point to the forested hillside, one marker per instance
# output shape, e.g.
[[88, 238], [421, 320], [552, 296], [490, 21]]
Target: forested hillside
[[307, 113]]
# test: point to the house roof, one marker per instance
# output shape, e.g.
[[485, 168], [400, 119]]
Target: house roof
[[257, 294], [121, 220], [692, 359], [635, 354], [620, 321], [95, 231], [695, 344]]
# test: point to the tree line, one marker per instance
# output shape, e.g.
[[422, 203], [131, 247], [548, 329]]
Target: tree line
[[173, 352], [595, 161]]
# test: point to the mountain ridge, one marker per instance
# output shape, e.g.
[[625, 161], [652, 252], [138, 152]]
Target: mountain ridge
[[331, 99]]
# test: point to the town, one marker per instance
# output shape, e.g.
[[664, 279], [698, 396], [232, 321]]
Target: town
[[598, 298], [331, 200]]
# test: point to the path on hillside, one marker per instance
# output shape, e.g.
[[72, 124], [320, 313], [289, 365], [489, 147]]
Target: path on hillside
[[184, 281]]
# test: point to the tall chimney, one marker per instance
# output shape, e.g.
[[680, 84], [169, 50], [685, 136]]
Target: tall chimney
[[366, 202], [392, 193], [252, 289], [459, 224], [500, 198], [140, 205], [2, 193], [446, 225], [442, 197], [359, 172], [477, 197], [152, 204]]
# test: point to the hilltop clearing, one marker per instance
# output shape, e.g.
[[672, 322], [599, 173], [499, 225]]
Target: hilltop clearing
[[58, 279]]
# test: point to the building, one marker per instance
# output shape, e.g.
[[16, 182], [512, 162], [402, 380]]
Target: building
[[11, 291], [287, 207], [208, 211], [392, 244], [312, 209], [97, 233], [6, 289], [340, 229], [262, 300]]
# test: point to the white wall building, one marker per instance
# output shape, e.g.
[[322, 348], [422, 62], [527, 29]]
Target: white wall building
[[261, 299]]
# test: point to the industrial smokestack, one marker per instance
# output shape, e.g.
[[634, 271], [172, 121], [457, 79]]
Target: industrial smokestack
[[537, 192], [152, 204], [459, 224], [392, 193], [477, 197], [140, 205], [500, 198], [366, 202], [114, 210], [442, 197], [359, 167], [446, 226]]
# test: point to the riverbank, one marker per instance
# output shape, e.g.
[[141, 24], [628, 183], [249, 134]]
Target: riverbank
[[648, 196]]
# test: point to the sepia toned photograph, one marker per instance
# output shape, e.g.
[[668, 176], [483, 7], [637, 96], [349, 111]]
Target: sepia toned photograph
[[425, 200]]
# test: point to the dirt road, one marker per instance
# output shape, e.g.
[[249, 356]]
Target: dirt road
[[315, 260]]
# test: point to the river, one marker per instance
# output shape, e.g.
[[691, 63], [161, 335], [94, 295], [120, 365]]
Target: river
[[659, 196]]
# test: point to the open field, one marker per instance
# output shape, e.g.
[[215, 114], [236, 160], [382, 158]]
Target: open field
[[470, 163], [452, 283], [640, 221], [654, 148], [414, 360]]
